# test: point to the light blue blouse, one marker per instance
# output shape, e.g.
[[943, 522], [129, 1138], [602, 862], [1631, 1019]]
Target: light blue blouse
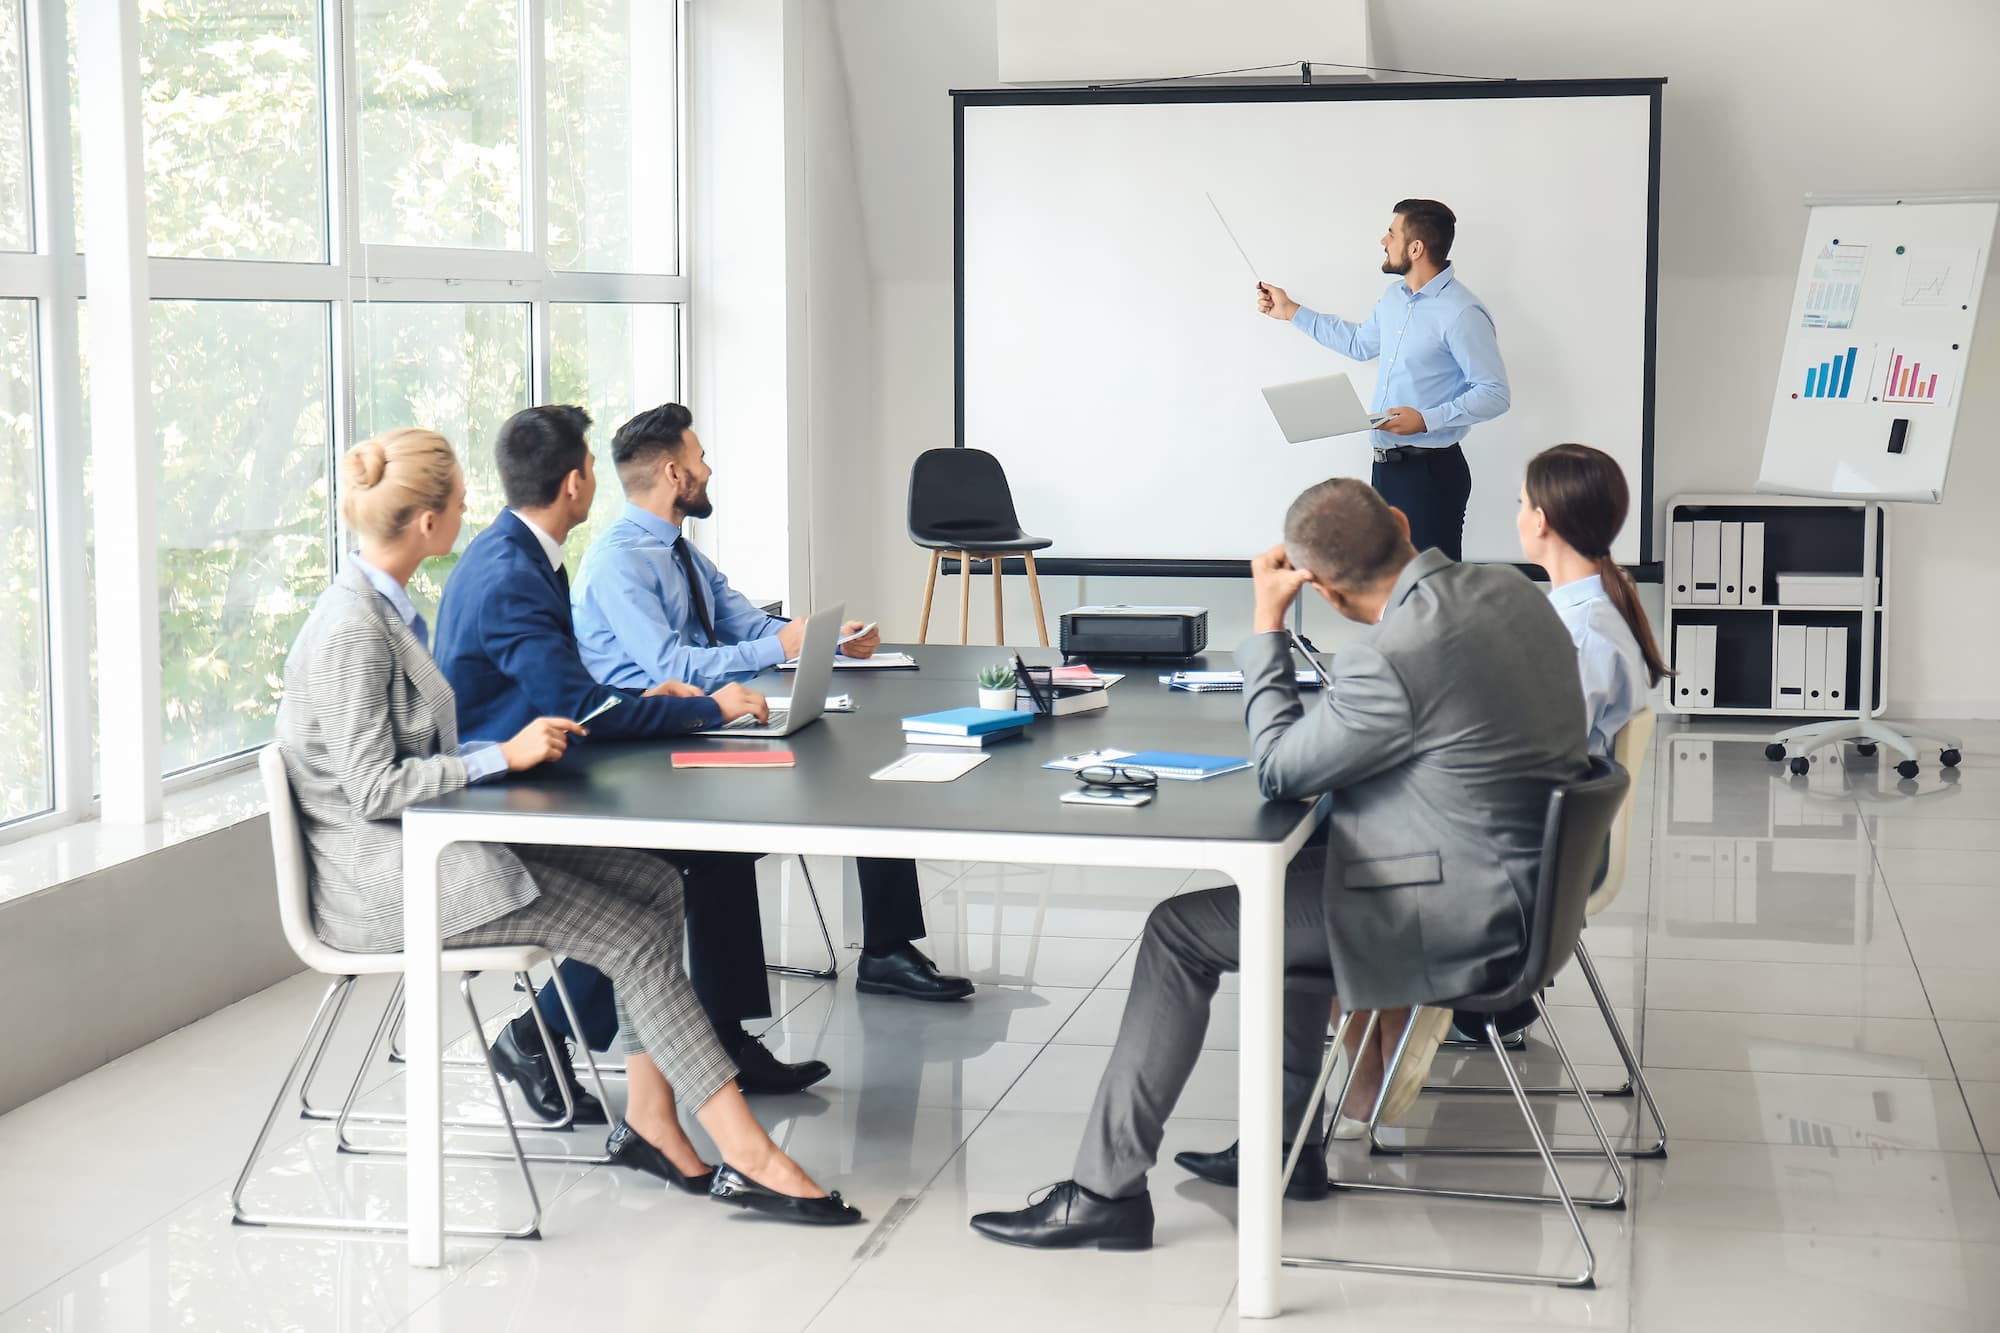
[[1615, 680]]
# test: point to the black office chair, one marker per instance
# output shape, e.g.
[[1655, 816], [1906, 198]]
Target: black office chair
[[1579, 820], [960, 502]]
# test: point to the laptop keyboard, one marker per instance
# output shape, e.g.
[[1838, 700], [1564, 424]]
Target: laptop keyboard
[[749, 720]]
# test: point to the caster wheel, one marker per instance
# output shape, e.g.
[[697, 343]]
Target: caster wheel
[[1866, 749], [1950, 758], [1774, 752], [1800, 765], [1907, 769]]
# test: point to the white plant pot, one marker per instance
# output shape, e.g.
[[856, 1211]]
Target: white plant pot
[[1003, 700]]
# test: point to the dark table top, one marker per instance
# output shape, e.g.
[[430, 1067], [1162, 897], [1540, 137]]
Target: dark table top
[[1009, 793]]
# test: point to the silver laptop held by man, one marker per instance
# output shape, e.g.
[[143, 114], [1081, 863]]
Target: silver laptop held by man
[[810, 682], [1320, 408]]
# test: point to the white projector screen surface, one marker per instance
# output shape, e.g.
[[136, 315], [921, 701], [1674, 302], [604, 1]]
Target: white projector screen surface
[[1113, 356]]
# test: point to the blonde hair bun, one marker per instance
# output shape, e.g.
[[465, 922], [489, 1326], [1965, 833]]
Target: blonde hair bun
[[387, 481]]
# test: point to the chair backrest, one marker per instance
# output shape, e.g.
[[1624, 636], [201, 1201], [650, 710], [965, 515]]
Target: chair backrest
[[288, 857], [1630, 747], [958, 493], [1573, 837]]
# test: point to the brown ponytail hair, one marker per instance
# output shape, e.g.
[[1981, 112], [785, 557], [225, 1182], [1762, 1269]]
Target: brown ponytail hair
[[1582, 494]]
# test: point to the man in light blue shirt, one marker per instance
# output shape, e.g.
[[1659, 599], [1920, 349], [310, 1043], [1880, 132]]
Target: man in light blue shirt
[[649, 606], [1441, 371]]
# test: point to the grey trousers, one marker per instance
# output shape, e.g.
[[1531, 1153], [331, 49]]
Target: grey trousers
[[621, 912], [1189, 942]]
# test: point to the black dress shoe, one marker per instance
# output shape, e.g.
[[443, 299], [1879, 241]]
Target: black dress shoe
[[906, 972], [757, 1070], [1307, 1185], [626, 1147], [1070, 1217], [523, 1061], [732, 1186]]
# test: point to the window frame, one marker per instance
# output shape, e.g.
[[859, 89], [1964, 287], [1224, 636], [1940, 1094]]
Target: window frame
[[53, 276]]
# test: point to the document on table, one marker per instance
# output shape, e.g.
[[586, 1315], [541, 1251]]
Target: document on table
[[929, 767], [835, 703], [879, 662]]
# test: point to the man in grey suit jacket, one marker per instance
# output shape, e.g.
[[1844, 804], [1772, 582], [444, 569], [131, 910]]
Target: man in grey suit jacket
[[1447, 724]]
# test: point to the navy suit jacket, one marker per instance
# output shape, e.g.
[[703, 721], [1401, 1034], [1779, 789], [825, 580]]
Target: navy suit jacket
[[505, 642]]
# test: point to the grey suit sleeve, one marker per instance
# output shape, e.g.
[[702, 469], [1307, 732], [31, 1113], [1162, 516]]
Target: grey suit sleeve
[[1360, 727], [350, 675]]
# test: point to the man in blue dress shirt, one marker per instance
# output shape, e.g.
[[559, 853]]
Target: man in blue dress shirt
[[1441, 371], [506, 644], [649, 606]]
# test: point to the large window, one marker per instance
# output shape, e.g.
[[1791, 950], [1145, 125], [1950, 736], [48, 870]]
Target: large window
[[362, 214]]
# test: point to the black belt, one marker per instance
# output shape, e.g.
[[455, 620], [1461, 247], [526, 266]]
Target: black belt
[[1403, 452]]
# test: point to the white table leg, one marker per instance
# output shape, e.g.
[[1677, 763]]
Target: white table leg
[[423, 1073], [1260, 1083]]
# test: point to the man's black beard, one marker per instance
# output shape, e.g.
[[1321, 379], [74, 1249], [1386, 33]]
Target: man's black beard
[[699, 507], [1389, 266]]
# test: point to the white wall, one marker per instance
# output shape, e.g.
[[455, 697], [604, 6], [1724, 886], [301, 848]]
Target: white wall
[[1766, 102]]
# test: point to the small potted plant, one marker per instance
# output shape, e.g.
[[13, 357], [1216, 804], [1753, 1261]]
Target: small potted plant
[[996, 687]]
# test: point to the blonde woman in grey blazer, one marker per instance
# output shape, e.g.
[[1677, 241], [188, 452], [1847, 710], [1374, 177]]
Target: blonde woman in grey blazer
[[367, 729]]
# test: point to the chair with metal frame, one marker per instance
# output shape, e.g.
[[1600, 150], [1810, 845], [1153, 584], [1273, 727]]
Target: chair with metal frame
[[1630, 748], [1579, 819], [295, 916]]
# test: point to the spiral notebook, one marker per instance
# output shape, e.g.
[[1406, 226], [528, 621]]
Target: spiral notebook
[[1184, 767]]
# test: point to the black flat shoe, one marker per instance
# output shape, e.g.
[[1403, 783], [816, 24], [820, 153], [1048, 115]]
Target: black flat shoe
[[757, 1070], [732, 1186], [906, 972], [523, 1061], [1307, 1185], [627, 1147], [1070, 1217]]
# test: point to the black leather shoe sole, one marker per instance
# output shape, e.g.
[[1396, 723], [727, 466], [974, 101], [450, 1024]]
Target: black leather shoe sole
[[1126, 1243], [918, 991], [775, 1078], [733, 1187], [626, 1147]]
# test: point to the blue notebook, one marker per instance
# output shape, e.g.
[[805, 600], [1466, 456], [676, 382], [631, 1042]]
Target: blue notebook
[[1187, 767], [967, 721]]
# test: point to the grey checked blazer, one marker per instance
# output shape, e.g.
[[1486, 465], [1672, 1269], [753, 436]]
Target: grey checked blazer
[[367, 727], [1446, 728]]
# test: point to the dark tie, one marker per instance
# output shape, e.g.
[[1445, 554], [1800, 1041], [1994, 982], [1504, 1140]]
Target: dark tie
[[562, 577], [686, 557]]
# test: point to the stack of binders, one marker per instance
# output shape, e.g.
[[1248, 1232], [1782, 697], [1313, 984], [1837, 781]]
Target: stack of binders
[[1717, 564], [1694, 668], [965, 728], [1811, 669]]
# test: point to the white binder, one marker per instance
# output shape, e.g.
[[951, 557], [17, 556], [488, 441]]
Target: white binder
[[1789, 681], [1704, 667], [1815, 674], [1687, 654], [1707, 561], [1753, 564], [1833, 694], [1732, 564], [1680, 586]]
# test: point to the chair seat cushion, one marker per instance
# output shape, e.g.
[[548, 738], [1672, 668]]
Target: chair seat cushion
[[949, 539], [492, 958]]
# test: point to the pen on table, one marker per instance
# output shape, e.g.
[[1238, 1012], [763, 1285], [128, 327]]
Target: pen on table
[[868, 628], [611, 701]]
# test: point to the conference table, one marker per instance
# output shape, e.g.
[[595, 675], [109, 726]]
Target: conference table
[[627, 794]]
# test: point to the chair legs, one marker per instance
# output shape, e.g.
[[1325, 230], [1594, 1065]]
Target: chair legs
[[999, 616], [317, 1032], [832, 968], [964, 594], [1635, 1081], [1035, 592], [1562, 1195], [930, 587]]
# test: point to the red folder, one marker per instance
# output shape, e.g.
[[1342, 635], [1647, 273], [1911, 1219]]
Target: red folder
[[733, 759]]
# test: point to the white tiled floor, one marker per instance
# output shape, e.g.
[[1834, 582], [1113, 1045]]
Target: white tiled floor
[[1810, 967]]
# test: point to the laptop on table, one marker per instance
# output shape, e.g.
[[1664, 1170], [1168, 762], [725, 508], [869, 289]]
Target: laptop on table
[[809, 684]]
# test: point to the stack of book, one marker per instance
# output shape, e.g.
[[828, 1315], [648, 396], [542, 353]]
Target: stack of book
[[966, 728], [1074, 689]]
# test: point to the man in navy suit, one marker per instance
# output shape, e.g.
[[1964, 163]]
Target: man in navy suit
[[505, 642]]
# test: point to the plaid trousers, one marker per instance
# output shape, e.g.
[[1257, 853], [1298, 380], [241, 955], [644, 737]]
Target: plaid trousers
[[621, 912]]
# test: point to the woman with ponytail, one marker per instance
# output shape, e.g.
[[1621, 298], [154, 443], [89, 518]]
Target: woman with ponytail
[[1573, 502]]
